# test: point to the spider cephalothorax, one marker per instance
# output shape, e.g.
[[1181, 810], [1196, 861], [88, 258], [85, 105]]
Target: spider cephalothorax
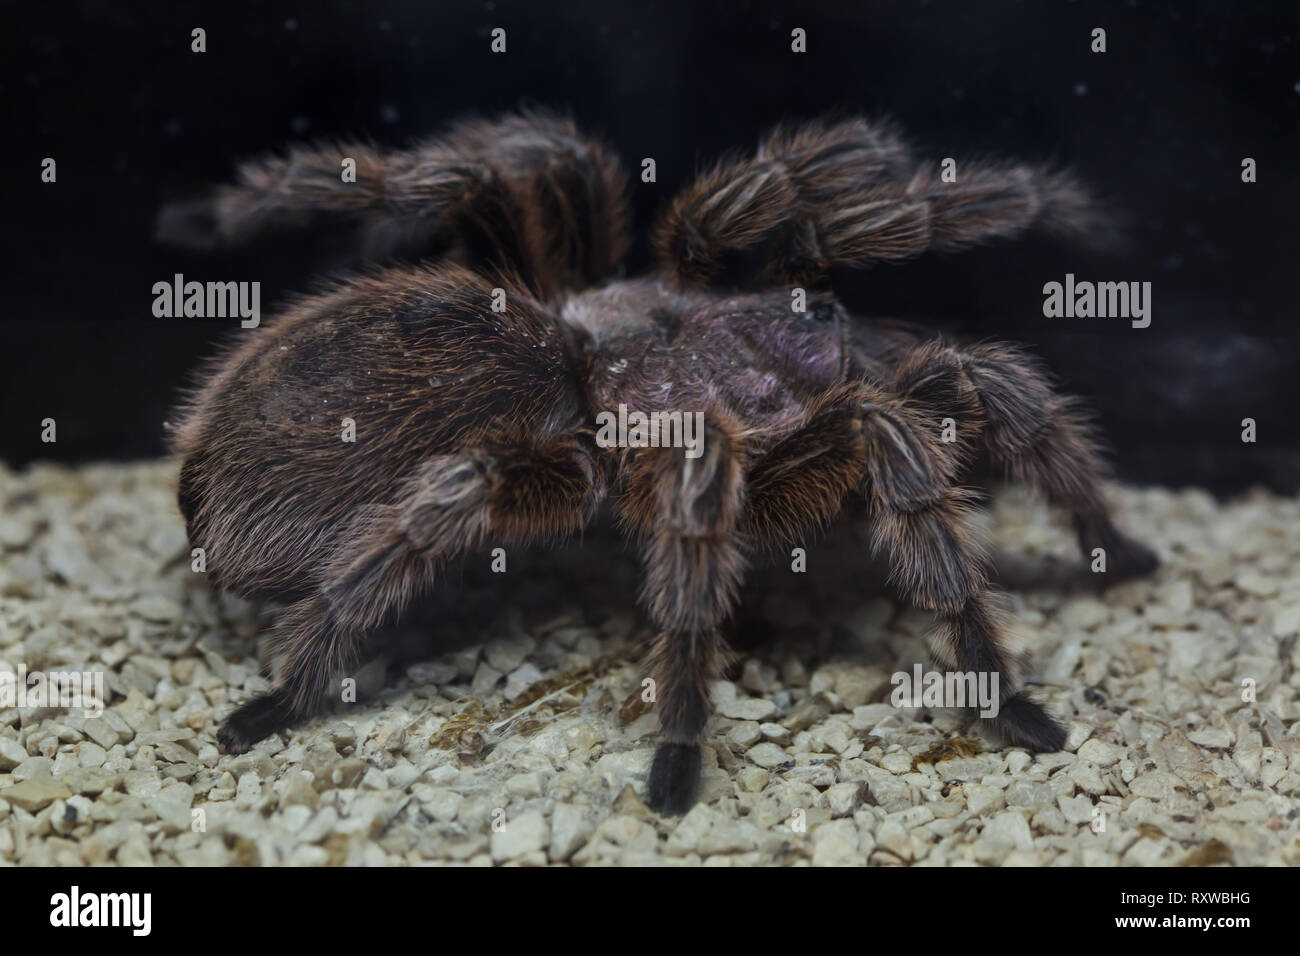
[[476, 425]]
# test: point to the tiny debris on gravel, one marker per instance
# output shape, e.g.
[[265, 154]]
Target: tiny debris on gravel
[[506, 725]]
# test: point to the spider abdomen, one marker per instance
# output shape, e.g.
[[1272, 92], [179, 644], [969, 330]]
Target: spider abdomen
[[334, 406]]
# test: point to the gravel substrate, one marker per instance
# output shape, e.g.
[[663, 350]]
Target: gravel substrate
[[509, 726]]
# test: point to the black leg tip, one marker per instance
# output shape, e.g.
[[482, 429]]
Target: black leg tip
[[232, 738], [1125, 558], [254, 721], [674, 779], [1023, 723], [1131, 560]]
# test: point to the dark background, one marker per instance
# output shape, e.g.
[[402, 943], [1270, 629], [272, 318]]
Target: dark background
[[1159, 124]]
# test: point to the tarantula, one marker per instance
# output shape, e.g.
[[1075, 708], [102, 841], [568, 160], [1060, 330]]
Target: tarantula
[[476, 426]]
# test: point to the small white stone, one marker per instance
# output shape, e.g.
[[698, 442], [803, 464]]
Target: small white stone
[[1286, 620], [844, 798], [1078, 733], [692, 827], [1145, 852], [1247, 811], [836, 844], [522, 678], [768, 755], [1010, 827], [570, 828], [1102, 754], [1086, 775], [897, 763], [981, 799], [441, 803], [90, 754], [745, 733], [35, 793], [526, 786], [248, 791], [1075, 809], [102, 732], [1252, 582], [507, 653], [11, 754], [891, 836], [485, 680], [747, 708], [518, 837], [1216, 738], [1017, 761]]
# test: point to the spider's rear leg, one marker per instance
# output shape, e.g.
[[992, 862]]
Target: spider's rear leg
[[1033, 433], [922, 522], [686, 510], [390, 555], [525, 193]]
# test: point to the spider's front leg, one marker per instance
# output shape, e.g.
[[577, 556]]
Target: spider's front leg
[[923, 523], [391, 553], [847, 194], [687, 511], [1032, 432]]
